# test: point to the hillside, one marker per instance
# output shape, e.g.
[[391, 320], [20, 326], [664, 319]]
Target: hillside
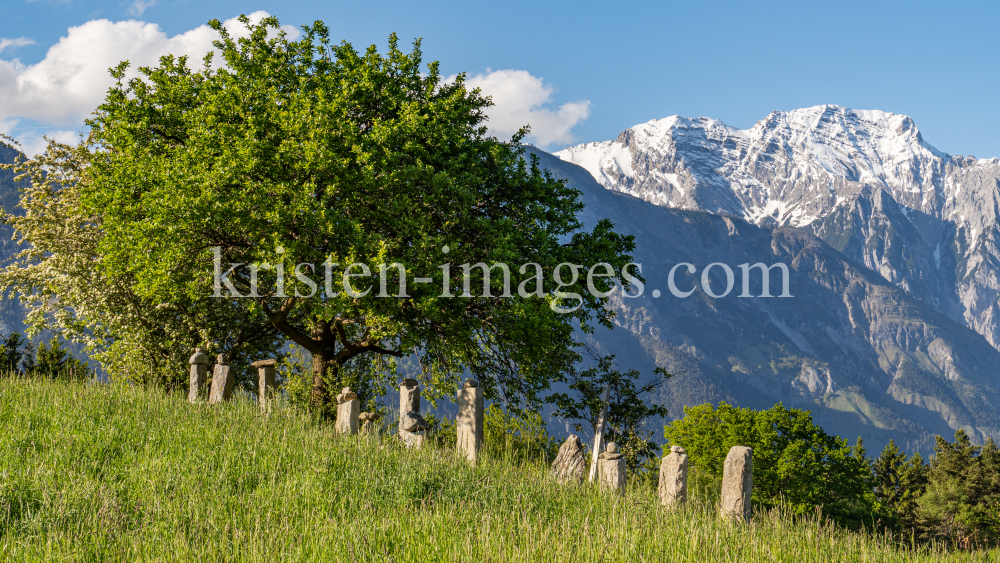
[[864, 353], [99, 472]]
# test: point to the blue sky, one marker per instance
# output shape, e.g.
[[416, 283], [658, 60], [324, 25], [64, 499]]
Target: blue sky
[[587, 70]]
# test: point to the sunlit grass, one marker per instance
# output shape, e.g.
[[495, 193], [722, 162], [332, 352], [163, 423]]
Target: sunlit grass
[[113, 473]]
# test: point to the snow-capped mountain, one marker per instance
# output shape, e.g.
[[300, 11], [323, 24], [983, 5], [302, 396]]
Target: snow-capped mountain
[[864, 343], [791, 167], [865, 181]]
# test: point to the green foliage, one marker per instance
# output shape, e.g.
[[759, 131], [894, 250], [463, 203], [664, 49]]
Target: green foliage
[[57, 277], [53, 360], [443, 431], [294, 377], [310, 152], [366, 376], [898, 483], [795, 463], [961, 504], [50, 359], [627, 408], [517, 435], [14, 350]]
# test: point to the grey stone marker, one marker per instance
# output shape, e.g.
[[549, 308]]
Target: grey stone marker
[[469, 422], [199, 373], [570, 461], [222, 382], [612, 470], [265, 381], [411, 429], [411, 424], [348, 410], [368, 421], [737, 484], [673, 477]]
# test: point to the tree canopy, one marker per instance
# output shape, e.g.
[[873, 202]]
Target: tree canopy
[[248, 191]]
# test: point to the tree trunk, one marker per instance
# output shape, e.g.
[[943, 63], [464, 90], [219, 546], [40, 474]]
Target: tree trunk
[[322, 360], [318, 398]]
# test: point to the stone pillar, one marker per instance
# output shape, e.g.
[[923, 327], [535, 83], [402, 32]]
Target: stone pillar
[[368, 422], [469, 423], [199, 373], [612, 469], [673, 477], [409, 397], [737, 484], [265, 381], [222, 382], [411, 424], [348, 409], [570, 461]]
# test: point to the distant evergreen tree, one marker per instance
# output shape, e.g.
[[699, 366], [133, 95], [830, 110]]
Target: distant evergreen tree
[[960, 503], [12, 352], [53, 360], [50, 359], [897, 483]]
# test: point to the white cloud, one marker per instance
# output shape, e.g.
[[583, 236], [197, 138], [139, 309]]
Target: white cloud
[[520, 99], [17, 42], [72, 79], [139, 6]]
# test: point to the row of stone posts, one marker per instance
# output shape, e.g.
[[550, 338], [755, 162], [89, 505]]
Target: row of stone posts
[[608, 466], [349, 418], [412, 426], [468, 423], [737, 475], [223, 379]]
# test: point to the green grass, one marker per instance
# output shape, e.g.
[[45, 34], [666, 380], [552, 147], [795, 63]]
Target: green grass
[[112, 473]]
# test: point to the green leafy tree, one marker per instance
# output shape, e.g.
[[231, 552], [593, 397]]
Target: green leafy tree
[[628, 409], [520, 434], [307, 152], [794, 461], [63, 288]]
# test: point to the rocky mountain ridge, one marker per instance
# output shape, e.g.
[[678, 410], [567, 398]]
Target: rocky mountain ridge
[[864, 181]]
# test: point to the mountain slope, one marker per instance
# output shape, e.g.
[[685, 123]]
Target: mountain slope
[[11, 312], [867, 357], [927, 221]]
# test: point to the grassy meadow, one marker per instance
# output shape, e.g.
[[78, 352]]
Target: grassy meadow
[[93, 472]]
